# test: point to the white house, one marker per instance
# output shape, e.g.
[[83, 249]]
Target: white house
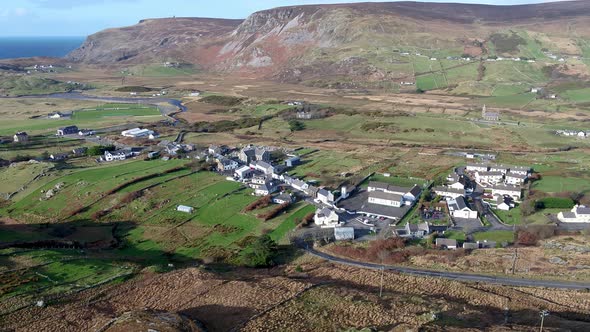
[[522, 170], [501, 190], [115, 155], [21, 137], [448, 192], [579, 214], [243, 172], [504, 203], [263, 166], [266, 189], [299, 185], [499, 169], [325, 196], [226, 164], [459, 209], [413, 194], [477, 168], [185, 209], [326, 218], [515, 179], [489, 177], [282, 198], [386, 199]]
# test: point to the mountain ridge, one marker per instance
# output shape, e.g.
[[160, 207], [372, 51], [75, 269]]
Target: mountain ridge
[[302, 43]]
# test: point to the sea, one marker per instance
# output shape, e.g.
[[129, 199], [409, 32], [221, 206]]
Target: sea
[[26, 47]]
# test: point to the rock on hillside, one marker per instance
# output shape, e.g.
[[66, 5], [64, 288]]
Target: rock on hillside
[[353, 40], [152, 320]]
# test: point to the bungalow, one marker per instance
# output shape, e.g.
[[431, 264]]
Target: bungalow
[[21, 137], [459, 209], [489, 177], [58, 156], [185, 209], [501, 190], [325, 196], [579, 214], [504, 203], [343, 233], [417, 230], [443, 243], [413, 194], [448, 192], [226, 164], [299, 185], [515, 178], [266, 189], [69, 130], [282, 198], [384, 198], [326, 218]]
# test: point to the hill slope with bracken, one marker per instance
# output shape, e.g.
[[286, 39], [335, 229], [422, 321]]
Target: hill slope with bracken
[[371, 42]]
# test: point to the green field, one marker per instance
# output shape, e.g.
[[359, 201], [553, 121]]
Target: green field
[[101, 116], [114, 110], [498, 236], [395, 180], [556, 184]]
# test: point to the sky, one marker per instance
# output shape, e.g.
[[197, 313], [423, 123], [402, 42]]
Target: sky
[[84, 17]]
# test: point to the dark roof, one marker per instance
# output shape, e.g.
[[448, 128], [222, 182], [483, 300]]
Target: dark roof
[[569, 215], [449, 189], [415, 190], [379, 185], [518, 176], [446, 242], [384, 195], [583, 210]]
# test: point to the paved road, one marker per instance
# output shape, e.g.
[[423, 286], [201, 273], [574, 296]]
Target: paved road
[[464, 277]]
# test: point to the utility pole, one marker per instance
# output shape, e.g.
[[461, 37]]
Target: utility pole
[[543, 314], [381, 287]]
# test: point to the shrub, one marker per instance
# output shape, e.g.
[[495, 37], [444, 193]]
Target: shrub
[[222, 100], [555, 203], [526, 238], [295, 125], [275, 212], [259, 203]]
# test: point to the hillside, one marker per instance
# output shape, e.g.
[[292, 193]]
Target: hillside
[[365, 44]]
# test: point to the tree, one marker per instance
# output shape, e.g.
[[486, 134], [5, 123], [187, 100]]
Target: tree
[[260, 253], [296, 125], [527, 208], [97, 150]]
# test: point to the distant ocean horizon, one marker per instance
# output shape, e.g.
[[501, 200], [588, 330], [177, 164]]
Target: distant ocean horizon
[[26, 47]]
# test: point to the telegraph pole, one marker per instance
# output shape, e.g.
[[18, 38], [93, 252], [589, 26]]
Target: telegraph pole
[[381, 287], [543, 314]]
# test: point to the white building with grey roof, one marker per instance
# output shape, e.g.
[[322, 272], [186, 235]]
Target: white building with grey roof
[[579, 214]]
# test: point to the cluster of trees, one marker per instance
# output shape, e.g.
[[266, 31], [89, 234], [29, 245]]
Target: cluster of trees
[[260, 253], [98, 150]]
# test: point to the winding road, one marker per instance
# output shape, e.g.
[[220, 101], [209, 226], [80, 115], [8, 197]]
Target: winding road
[[458, 276]]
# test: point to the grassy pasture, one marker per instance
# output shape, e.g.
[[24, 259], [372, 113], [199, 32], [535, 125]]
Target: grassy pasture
[[114, 110], [498, 236], [556, 184]]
